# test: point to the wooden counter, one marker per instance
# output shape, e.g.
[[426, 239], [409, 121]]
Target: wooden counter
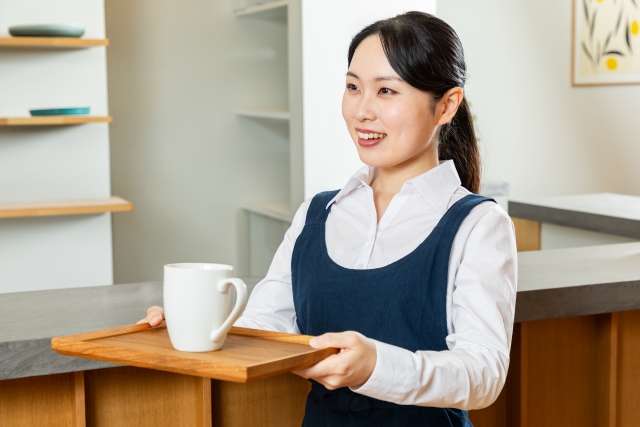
[[574, 356]]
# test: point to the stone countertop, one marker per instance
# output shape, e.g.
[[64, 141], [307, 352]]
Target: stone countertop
[[552, 284], [578, 281], [30, 319], [603, 212]]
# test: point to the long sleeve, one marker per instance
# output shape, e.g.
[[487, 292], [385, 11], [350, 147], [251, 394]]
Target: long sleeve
[[471, 374], [270, 306]]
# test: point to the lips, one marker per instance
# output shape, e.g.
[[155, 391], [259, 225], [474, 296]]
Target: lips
[[369, 138]]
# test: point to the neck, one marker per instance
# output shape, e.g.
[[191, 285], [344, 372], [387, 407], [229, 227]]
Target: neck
[[390, 179]]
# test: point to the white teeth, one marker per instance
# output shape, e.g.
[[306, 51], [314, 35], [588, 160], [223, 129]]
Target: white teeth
[[372, 135]]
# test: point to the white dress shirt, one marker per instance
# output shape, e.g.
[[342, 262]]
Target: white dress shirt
[[481, 290]]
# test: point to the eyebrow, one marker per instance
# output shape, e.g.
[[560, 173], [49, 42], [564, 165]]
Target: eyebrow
[[377, 79]]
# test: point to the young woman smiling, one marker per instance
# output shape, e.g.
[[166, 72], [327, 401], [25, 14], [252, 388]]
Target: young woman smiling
[[404, 269]]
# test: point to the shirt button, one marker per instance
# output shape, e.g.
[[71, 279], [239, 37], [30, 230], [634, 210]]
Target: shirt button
[[359, 266], [371, 236]]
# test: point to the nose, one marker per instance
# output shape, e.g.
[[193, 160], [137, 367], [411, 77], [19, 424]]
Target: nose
[[365, 110]]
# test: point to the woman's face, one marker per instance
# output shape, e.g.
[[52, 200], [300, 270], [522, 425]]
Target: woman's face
[[390, 121]]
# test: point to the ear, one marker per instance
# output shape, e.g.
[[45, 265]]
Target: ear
[[448, 105]]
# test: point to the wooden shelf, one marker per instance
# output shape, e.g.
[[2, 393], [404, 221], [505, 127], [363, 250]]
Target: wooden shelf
[[273, 9], [53, 120], [264, 113], [51, 42], [276, 210], [64, 207]]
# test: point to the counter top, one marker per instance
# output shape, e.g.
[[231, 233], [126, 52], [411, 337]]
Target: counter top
[[552, 284], [30, 319], [578, 281], [610, 213]]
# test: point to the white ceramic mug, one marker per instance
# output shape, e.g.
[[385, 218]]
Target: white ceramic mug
[[198, 306]]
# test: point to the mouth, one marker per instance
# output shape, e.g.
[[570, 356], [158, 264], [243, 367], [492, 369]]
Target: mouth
[[368, 138]]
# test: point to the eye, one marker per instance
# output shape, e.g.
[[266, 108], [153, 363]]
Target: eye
[[387, 91], [352, 87]]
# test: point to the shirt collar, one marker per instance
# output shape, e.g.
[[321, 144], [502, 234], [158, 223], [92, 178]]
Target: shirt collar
[[364, 176], [437, 185]]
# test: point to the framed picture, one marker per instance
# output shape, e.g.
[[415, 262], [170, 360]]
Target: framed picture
[[606, 42]]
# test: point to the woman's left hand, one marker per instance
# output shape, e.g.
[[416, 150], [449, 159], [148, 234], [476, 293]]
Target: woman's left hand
[[351, 367]]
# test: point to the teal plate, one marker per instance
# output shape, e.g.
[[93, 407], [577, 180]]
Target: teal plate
[[48, 30], [60, 111]]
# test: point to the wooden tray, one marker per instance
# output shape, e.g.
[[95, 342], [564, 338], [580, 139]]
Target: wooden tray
[[247, 354]]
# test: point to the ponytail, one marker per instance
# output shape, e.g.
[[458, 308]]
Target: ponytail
[[427, 53], [458, 142]]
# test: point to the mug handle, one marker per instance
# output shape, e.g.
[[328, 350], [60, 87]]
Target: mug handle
[[241, 301]]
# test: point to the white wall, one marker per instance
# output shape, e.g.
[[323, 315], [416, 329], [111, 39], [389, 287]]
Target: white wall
[[177, 70], [330, 156], [54, 162], [540, 134]]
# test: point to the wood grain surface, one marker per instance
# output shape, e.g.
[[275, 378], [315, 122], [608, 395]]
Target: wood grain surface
[[606, 369], [51, 42], [247, 354], [274, 402], [527, 234], [146, 398], [79, 415], [628, 369], [64, 207], [45, 401], [559, 365], [52, 120]]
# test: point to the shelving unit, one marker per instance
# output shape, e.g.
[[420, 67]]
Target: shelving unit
[[274, 9], [64, 207], [264, 113], [61, 168], [321, 153], [51, 42], [52, 120]]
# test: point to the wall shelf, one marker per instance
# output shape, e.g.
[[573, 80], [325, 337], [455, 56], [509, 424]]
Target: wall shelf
[[264, 113], [53, 120], [273, 9], [51, 42], [280, 211], [64, 207]]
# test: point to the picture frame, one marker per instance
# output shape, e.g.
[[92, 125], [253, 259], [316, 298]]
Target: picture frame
[[605, 42]]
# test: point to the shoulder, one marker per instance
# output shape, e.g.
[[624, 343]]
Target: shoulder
[[319, 201], [487, 218]]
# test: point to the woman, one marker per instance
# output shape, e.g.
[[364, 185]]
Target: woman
[[405, 270]]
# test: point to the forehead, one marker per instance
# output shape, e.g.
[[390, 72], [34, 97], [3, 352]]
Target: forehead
[[369, 61]]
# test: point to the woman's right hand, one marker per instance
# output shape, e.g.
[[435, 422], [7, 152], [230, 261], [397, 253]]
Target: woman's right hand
[[155, 315]]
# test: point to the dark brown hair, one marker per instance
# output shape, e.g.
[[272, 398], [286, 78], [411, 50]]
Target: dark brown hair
[[427, 53]]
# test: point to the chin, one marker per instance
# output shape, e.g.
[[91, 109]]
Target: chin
[[376, 160]]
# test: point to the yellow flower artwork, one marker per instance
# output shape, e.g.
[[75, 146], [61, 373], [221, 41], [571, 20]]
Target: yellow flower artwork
[[606, 42]]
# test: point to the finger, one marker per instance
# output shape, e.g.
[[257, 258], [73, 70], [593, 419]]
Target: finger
[[330, 366], [155, 315], [347, 339], [331, 382]]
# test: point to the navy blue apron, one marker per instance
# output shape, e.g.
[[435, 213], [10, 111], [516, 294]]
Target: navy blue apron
[[402, 304]]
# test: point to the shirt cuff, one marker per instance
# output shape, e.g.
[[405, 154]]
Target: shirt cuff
[[393, 375]]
